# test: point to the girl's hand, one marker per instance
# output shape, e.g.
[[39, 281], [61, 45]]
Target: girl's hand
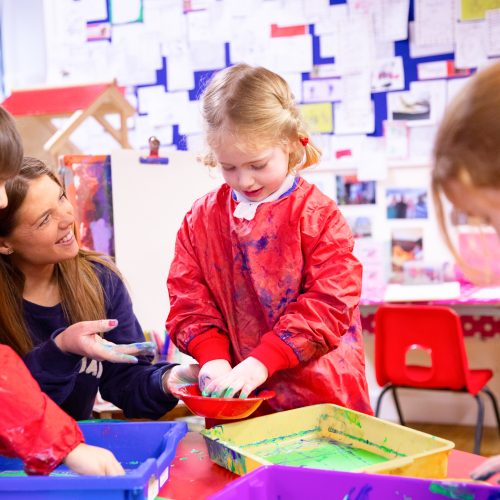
[[211, 371], [178, 376], [83, 339], [487, 469], [93, 461], [243, 379]]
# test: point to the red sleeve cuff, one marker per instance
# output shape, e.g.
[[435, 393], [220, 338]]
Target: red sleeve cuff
[[274, 353], [209, 346]]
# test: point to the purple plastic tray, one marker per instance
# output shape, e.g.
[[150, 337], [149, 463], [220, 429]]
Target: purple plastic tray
[[294, 483]]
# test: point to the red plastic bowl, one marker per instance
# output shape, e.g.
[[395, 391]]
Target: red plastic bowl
[[220, 408]]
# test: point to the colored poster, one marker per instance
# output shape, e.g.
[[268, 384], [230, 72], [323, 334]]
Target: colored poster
[[471, 10], [319, 117], [87, 180]]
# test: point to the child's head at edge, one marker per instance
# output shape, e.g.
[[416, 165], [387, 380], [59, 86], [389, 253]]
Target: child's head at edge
[[255, 109], [11, 152], [467, 157]]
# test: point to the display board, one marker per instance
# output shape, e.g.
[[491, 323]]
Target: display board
[[149, 203]]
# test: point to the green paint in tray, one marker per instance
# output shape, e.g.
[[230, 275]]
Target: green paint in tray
[[318, 453]]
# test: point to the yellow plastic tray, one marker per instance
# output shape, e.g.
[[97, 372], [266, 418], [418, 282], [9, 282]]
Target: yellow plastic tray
[[328, 437]]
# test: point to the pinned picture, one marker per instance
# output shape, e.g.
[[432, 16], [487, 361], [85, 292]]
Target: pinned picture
[[361, 226], [406, 203], [413, 107], [87, 180], [351, 191], [406, 246], [388, 74]]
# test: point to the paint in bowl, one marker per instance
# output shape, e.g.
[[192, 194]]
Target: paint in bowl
[[221, 408]]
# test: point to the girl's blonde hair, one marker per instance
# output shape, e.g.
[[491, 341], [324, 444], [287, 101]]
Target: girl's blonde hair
[[81, 291], [467, 146], [255, 106]]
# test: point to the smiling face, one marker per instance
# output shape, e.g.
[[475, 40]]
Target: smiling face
[[44, 231], [256, 173], [483, 203]]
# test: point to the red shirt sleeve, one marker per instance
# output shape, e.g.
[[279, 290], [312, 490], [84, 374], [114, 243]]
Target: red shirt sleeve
[[32, 427]]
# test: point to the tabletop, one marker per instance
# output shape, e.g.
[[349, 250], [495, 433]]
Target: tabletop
[[193, 476]]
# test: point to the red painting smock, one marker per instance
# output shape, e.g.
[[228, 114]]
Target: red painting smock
[[283, 287], [32, 427]]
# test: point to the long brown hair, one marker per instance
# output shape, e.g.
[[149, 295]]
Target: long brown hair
[[258, 107], [81, 292], [11, 146], [467, 147]]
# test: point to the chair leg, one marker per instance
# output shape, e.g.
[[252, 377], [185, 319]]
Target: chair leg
[[479, 424], [398, 406], [494, 402], [379, 399]]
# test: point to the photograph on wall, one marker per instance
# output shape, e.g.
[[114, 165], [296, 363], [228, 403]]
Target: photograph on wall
[[87, 180], [406, 246], [361, 226], [406, 203], [351, 191], [413, 107]]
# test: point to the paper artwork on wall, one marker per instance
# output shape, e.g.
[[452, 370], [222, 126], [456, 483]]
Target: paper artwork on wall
[[87, 180]]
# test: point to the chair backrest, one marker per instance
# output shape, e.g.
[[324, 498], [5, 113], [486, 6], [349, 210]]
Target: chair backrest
[[435, 329]]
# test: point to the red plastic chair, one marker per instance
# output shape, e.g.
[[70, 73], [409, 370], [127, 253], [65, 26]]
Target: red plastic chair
[[437, 330]]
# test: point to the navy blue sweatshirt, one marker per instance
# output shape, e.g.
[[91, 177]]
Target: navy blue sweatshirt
[[72, 381]]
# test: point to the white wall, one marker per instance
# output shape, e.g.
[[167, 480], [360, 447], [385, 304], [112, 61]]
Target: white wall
[[23, 43]]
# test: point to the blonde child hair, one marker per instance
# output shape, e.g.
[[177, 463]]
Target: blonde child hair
[[256, 106], [467, 147]]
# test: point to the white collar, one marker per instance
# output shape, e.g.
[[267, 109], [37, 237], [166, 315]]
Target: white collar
[[246, 208]]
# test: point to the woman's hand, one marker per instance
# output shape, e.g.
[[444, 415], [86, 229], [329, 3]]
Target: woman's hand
[[93, 461], [487, 469], [242, 379], [83, 339], [211, 371], [178, 376]]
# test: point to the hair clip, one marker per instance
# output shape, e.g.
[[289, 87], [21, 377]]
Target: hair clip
[[304, 141]]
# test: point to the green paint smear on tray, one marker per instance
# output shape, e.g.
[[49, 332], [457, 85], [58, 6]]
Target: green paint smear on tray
[[459, 493], [321, 453]]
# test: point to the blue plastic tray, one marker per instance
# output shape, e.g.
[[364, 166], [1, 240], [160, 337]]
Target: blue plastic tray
[[294, 483], [145, 449]]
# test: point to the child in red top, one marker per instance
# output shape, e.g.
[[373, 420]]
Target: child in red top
[[34, 429], [264, 288]]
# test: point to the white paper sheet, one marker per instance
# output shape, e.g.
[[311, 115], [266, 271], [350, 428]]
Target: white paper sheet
[[427, 49], [471, 44], [322, 90], [493, 32], [125, 12], [388, 74], [434, 21], [409, 293]]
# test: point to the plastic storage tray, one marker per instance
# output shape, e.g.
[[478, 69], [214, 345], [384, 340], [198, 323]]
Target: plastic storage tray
[[296, 484], [328, 437], [145, 449]]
